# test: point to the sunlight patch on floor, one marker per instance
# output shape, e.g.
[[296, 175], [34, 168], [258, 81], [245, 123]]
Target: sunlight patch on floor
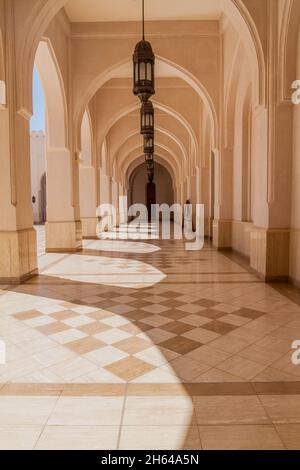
[[120, 246], [107, 271]]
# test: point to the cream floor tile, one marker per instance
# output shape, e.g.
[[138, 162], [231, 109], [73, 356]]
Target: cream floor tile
[[97, 376], [230, 344], [160, 375], [51, 309], [187, 368], [87, 411], [78, 438], [82, 310], [208, 355], [19, 367], [68, 336], [112, 336], [158, 411], [273, 375], [242, 367], [155, 308], [254, 437], [195, 320], [201, 335], [106, 355], [18, 410], [216, 375], [156, 356], [156, 335], [159, 438], [259, 354], [115, 321], [78, 321], [156, 320], [282, 409], [70, 369], [39, 321], [229, 410], [37, 345], [53, 356], [290, 435], [226, 308], [43, 376], [16, 437], [236, 320]]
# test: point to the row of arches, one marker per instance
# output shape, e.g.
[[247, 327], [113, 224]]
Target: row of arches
[[93, 141]]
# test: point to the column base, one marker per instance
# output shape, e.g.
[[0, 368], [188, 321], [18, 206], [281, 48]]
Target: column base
[[269, 253], [295, 257], [222, 234], [89, 227], [18, 256], [63, 237]]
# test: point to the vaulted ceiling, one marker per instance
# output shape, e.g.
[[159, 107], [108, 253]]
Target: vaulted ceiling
[[155, 10]]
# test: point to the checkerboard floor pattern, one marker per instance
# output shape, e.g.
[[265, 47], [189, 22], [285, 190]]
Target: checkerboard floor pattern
[[208, 319]]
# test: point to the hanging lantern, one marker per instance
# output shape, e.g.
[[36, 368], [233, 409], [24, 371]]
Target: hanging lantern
[[148, 143], [147, 118], [149, 157], [143, 68], [150, 166]]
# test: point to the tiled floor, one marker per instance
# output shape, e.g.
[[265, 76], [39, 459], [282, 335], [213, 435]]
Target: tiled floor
[[148, 319]]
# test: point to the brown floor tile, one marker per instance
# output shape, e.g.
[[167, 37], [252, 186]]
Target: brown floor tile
[[219, 327], [64, 315], [136, 315], [206, 303], [209, 313], [139, 304], [93, 328], [28, 315], [249, 313], [175, 314], [177, 327], [53, 328], [85, 345], [172, 303], [180, 345], [101, 315], [129, 368], [133, 345]]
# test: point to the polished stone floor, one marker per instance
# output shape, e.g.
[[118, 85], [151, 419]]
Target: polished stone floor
[[140, 343]]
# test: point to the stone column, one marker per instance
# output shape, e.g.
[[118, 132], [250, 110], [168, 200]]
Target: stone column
[[63, 227], [18, 253], [88, 201], [223, 199], [272, 153]]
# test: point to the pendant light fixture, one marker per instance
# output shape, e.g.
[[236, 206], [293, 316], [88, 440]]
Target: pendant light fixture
[[147, 118], [148, 144], [149, 157], [143, 66]]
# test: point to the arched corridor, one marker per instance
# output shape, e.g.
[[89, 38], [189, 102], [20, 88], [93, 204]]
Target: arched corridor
[[116, 336]]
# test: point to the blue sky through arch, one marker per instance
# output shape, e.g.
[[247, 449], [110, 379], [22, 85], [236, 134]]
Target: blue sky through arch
[[37, 121]]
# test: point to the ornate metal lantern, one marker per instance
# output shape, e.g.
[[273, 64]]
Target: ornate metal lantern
[[148, 144], [147, 118], [149, 157], [143, 68], [150, 165]]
